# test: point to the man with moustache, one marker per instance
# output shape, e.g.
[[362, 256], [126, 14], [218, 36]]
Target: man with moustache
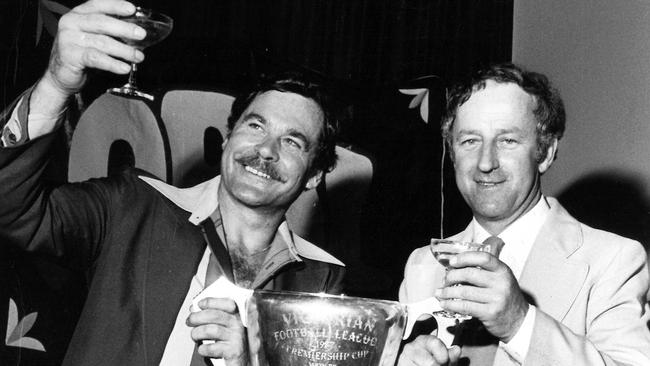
[[557, 292], [150, 248]]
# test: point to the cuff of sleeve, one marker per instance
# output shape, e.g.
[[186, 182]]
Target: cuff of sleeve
[[517, 348], [23, 125], [14, 131]]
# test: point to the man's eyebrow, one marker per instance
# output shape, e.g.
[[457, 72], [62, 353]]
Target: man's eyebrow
[[499, 131], [254, 116], [510, 130], [464, 132], [291, 132]]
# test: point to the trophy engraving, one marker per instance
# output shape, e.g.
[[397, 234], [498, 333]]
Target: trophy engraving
[[318, 330], [299, 328]]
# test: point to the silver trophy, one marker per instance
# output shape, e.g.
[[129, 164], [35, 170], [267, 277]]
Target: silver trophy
[[294, 328], [287, 328]]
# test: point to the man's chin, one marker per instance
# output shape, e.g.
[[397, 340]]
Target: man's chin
[[260, 192], [493, 209], [254, 197], [253, 201]]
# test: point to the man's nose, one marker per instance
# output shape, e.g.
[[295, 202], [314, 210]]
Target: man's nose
[[489, 158], [267, 149]]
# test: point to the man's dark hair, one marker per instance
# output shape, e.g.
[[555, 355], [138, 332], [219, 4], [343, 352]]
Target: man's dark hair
[[325, 159], [549, 111]]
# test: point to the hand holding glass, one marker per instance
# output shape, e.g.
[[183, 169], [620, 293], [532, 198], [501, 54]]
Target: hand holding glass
[[443, 250], [158, 26]]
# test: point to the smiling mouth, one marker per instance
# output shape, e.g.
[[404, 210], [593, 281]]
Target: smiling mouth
[[257, 172], [487, 184]]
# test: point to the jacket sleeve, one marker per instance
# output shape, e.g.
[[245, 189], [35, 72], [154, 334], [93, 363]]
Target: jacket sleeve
[[43, 217], [616, 328], [13, 121]]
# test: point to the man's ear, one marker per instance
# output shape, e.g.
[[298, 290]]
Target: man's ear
[[452, 156], [314, 180], [545, 164]]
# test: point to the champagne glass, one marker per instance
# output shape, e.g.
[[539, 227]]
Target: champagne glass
[[158, 27], [443, 250]]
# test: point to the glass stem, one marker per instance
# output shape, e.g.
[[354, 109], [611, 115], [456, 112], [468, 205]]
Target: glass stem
[[134, 68]]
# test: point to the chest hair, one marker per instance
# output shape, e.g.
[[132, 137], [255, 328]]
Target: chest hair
[[246, 266]]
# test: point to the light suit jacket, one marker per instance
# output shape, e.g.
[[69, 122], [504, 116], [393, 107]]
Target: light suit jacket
[[589, 287]]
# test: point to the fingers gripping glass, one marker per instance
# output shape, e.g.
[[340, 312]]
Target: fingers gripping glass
[[443, 250], [158, 27]]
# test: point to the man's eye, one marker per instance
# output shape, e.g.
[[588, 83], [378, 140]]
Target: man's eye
[[509, 141], [254, 125], [293, 143], [468, 142]]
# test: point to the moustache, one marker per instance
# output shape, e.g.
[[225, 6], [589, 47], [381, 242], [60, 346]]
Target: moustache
[[260, 165]]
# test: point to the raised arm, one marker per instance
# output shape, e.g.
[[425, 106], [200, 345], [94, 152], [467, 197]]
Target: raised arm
[[85, 39], [33, 214]]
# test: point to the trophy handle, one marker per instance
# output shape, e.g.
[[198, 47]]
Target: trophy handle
[[417, 309]]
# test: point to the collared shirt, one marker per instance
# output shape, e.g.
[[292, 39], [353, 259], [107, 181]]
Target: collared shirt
[[180, 345], [519, 238], [202, 202]]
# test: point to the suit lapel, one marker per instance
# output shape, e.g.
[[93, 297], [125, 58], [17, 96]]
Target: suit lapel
[[172, 263], [550, 276]]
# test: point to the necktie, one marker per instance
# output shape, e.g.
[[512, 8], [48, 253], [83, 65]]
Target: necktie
[[495, 243], [478, 345], [211, 275]]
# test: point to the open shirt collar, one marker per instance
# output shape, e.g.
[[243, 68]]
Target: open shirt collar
[[202, 200]]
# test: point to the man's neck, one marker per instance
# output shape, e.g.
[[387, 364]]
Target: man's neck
[[250, 229], [496, 227]]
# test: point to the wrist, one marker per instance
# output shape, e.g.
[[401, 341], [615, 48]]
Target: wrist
[[49, 98], [47, 106], [518, 346], [523, 311]]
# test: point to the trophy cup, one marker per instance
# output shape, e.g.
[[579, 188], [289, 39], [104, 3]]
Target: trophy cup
[[294, 328], [299, 328]]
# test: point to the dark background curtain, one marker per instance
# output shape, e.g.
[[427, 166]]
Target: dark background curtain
[[362, 43], [363, 50]]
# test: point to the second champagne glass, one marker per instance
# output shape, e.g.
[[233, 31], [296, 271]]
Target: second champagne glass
[[443, 250], [158, 26]]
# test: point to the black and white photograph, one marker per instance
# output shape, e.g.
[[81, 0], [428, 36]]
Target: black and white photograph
[[325, 183]]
